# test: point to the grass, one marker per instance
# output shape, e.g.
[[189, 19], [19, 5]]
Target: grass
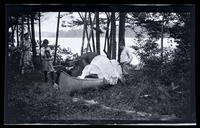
[[31, 100]]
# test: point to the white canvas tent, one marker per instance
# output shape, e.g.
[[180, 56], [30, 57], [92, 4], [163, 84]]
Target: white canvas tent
[[110, 70]]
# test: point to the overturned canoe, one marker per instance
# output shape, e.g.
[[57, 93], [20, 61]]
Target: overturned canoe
[[68, 83]]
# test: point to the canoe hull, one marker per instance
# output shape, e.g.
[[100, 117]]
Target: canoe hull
[[68, 83]]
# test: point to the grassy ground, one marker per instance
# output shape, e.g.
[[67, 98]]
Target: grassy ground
[[32, 100]]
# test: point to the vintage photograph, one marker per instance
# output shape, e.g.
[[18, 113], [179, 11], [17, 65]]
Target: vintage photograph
[[99, 64]]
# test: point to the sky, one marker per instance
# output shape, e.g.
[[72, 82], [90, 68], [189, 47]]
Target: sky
[[49, 22]]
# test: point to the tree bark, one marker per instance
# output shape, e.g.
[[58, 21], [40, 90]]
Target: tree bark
[[13, 34], [113, 37], [97, 34], [88, 39], [40, 36], [83, 39], [107, 41], [121, 32], [110, 43], [22, 46], [28, 25], [33, 39], [17, 36], [93, 42], [57, 32], [89, 36], [92, 32], [22, 32], [84, 30]]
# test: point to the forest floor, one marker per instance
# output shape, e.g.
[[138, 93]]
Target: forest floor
[[30, 100]]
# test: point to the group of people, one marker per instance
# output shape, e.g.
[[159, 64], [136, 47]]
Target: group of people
[[84, 60], [26, 62]]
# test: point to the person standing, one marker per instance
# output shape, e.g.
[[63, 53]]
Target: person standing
[[125, 59], [47, 62], [26, 56]]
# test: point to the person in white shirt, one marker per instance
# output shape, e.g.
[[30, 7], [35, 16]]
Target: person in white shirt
[[125, 59]]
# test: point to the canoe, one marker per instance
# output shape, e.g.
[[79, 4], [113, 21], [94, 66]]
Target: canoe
[[69, 83]]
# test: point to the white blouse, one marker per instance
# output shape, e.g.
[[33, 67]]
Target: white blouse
[[125, 56]]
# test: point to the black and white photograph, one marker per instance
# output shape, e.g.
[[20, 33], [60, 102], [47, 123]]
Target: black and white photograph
[[99, 64]]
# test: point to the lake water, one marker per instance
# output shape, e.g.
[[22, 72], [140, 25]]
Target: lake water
[[75, 44]]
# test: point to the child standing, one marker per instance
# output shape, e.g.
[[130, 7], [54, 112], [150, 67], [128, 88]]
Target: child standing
[[47, 61]]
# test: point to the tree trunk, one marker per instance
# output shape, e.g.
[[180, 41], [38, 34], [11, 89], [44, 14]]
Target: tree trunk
[[104, 49], [97, 34], [162, 38], [22, 33], [40, 36], [17, 36], [88, 39], [93, 42], [28, 25], [13, 34], [110, 43], [83, 39], [33, 39], [84, 30], [22, 46], [92, 32], [107, 36], [113, 37], [121, 32], [57, 32], [89, 36]]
